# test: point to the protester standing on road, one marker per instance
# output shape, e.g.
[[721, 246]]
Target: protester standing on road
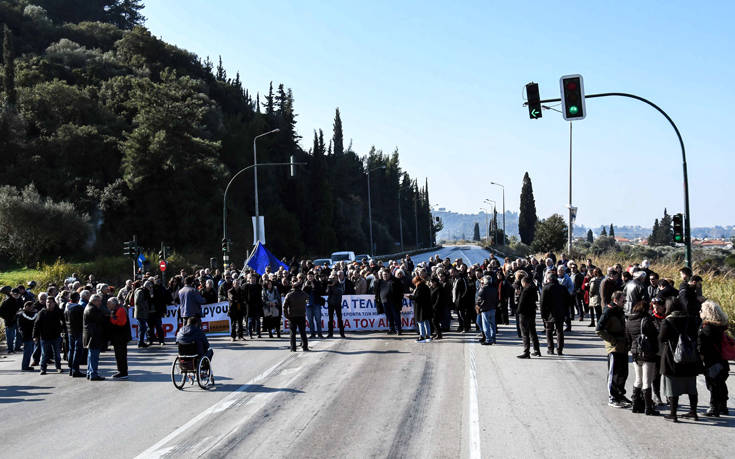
[[294, 309], [595, 296], [236, 310], [642, 335], [679, 377], [8, 311], [527, 317], [716, 367], [315, 290], [439, 300], [335, 289], [74, 315], [26, 321], [611, 328], [190, 300], [94, 336], [47, 331], [142, 300], [423, 312], [119, 335], [554, 310], [486, 306], [388, 298]]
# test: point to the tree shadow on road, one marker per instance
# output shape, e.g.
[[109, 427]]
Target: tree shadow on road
[[389, 351], [17, 394], [253, 388]]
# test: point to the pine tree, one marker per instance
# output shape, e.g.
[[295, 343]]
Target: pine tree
[[476, 232], [612, 231], [221, 73], [269, 102], [9, 63], [666, 230], [338, 137], [655, 236], [590, 236], [603, 232], [257, 102], [527, 218]]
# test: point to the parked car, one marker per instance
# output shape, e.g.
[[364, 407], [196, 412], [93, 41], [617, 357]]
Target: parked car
[[343, 256], [323, 261], [363, 257]]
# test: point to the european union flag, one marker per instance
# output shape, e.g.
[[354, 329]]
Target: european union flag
[[261, 258]]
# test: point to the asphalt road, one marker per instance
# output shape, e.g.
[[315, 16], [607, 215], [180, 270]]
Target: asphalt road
[[370, 395]]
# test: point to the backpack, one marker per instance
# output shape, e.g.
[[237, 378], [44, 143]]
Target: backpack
[[728, 346], [645, 344], [686, 349]]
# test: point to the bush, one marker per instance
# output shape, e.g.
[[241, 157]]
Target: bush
[[551, 234], [32, 227]]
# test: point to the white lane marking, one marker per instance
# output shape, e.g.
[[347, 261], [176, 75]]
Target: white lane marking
[[466, 258], [157, 450], [474, 421]]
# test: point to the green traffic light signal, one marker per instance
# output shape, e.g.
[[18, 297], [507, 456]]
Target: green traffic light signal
[[573, 110]]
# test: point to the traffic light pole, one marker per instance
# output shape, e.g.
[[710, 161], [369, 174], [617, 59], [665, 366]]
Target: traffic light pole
[[687, 216]]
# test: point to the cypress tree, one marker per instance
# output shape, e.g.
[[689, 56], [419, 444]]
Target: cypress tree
[[655, 237], [527, 218], [612, 230], [221, 74], [269, 104], [590, 236], [9, 63], [666, 231], [603, 232], [338, 136], [476, 232], [257, 102]]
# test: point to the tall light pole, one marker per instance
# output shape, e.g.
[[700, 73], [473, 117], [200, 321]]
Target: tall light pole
[[501, 186], [370, 207], [255, 173]]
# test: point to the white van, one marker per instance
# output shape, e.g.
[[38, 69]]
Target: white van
[[343, 256]]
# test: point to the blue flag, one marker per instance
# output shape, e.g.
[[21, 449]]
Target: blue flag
[[261, 258], [141, 260]]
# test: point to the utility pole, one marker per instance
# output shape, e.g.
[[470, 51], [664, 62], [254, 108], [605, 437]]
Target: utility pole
[[571, 224], [135, 257]]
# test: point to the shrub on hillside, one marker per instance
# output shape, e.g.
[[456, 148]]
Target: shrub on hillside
[[33, 227]]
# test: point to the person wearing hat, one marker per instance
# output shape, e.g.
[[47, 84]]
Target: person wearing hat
[[294, 309], [8, 310]]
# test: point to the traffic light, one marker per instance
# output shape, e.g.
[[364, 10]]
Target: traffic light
[[225, 245], [126, 248], [534, 101], [130, 248], [678, 220], [572, 97]]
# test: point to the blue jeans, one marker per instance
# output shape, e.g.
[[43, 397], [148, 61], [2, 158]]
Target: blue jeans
[[48, 348], [75, 352], [142, 328], [314, 317], [10, 336], [28, 348], [93, 362], [424, 329], [488, 325], [393, 316]]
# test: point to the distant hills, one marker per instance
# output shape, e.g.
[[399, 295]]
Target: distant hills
[[459, 226]]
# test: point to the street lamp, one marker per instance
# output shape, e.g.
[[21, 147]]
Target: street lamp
[[370, 207], [255, 173], [501, 186]]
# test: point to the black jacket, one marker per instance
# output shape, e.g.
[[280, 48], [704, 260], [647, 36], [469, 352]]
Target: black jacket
[[676, 323], [422, 309], [49, 324], [253, 296], [74, 315], [487, 297], [26, 323], [94, 329], [193, 335], [439, 300], [527, 301], [9, 308], [709, 341], [633, 331], [688, 298], [554, 301]]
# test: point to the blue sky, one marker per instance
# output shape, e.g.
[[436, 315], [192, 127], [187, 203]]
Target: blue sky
[[443, 82]]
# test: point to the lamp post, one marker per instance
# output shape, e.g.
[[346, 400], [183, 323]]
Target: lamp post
[[225, 241], [501, 186], [255, 173], [370, 207]]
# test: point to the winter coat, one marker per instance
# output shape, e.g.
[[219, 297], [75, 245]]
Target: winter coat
[[272, 297], [487, 298], [554, 301], [253, 296], [634, 292], [439, 300], [223, 291], [74, 315], [94, 333], [709, 342], [633, 331], [595, 292], [142, 303], [160, 300], [49, 324], [421, 297], [608, 286], [361, 286], [677, 322], [119, 327], [9, 309], [334, 295], [26, 323], [190, 301], [611, 328], [210, 296], [527, 301], [294, 305], [459, 291], [689, 300]]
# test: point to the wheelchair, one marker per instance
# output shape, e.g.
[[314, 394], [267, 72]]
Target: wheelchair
[[190, 366]]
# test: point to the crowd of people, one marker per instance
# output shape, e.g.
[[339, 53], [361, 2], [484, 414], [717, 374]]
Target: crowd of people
[[672, 334]]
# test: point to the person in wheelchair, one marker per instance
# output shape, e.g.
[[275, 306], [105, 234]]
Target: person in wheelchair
[[192, 333]]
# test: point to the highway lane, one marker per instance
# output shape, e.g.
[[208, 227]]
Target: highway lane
[[470, 254], [371, 395]]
